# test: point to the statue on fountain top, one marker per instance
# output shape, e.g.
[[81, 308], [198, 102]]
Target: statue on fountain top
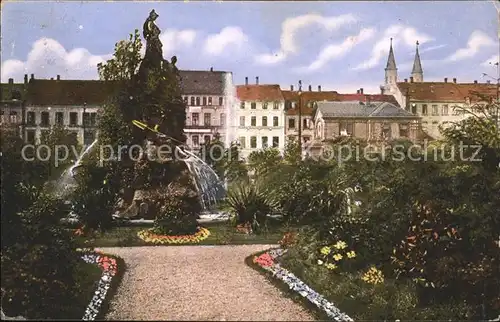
[[151, 33]]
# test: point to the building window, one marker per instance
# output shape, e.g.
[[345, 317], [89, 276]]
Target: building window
[[403, 130], [264, 142], [59, 118], [457, 111], [30, 118], [93, 119], [275, 121], [89, 137], [386, 131], [16, 95], [185, 100], [221, 100], [305, 124], [435, 110], [291, 123], [13, 117], [276, 105], [197, 101], [192, 100], [307, 139], [210, 100], [196, 140], [206, 139], [264, 121], [242, 142], [444, 110], [424, 109], [264, 106], [222, 119], [253, 142], [345, 128], [414, 108], [207, 117], [242, 104], [242, 121], [195, 119], [276, 141], [73, 118], [204, 100], [253, 121], [86, 119], [253, 105], [30, 136], [45, 119]]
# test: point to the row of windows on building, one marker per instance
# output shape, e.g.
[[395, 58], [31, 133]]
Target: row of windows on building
[[89, 119], [275, 143], [347, 128], [265, 105], [435, 111], [194, 120], [306, 123], [88, 136], [264, 121], [201, 100]]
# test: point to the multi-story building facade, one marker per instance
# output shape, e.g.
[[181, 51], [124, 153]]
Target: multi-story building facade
[[12, 106], [206, 94], [438, 103], [261, 117]]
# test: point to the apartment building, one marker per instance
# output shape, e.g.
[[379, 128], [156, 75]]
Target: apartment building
[[261, 117], [12, 106], [205, 94]]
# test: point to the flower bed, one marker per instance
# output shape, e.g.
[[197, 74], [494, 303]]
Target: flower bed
[[149, 236], [109, 268], [267, 261]]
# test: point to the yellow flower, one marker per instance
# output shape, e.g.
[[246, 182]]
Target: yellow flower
[[351, 254], [337, 257], [340, 245], [331, 266], [325, 250], [373, 276]]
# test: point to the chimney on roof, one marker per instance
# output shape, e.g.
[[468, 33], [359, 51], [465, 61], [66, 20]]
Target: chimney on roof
[[361, 90], [32, 76], [454, 80], [475, 81], [11, 81], [357, 91], [246, 80], [488, 82], [211, 69], [411, 79], [58, 77], [406, 80], [291, 88], [310, 88], [257, 80], [25, 78], [319, 88], [52, 78], [446, 79]]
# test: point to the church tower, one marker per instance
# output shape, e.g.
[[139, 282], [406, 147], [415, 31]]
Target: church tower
[[391, 73], [417, 73]]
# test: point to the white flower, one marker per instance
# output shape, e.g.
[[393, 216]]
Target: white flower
[[320, 262]]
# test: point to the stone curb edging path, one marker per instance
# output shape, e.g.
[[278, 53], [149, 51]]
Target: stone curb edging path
[[197, 283], [298, 286]]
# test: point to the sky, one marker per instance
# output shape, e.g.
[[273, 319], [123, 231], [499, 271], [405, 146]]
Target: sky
[[341, 46]]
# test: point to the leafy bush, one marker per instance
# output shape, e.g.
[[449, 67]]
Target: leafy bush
[[249, 204]]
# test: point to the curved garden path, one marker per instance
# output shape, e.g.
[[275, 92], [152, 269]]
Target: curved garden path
[[197, 283]]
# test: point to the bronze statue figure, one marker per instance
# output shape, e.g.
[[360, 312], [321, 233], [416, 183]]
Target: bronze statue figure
[[151, 33]]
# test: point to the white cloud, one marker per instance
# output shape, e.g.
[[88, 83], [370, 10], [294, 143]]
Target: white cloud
[[331, 52], [291, 26], [406, 35], [173, 40], [491, 61], [477, 40], [49, 58], [216, 44]]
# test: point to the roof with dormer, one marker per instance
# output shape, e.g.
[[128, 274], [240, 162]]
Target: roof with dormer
[[356, 109]]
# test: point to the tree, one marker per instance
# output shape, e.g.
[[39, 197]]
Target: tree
[[62, 147], [292, 155], [262, 161], [212, 152]]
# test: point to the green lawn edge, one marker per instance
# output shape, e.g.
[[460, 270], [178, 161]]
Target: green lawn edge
[[310, 307]]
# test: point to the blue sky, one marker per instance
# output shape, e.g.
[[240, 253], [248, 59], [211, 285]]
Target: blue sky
[[339, 45]]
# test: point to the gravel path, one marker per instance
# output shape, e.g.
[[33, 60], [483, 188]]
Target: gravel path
[[197, 283]]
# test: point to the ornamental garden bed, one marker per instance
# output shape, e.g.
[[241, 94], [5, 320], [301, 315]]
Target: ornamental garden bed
[[112, 269]]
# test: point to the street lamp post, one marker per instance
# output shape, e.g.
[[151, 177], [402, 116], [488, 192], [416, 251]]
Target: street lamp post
[[300, 117]]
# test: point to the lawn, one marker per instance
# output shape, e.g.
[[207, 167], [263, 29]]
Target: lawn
[[87, 277], [221, 233]]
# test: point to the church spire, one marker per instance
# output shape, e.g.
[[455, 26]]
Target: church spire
[[391, 71], [391, 62], [417, 73]]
